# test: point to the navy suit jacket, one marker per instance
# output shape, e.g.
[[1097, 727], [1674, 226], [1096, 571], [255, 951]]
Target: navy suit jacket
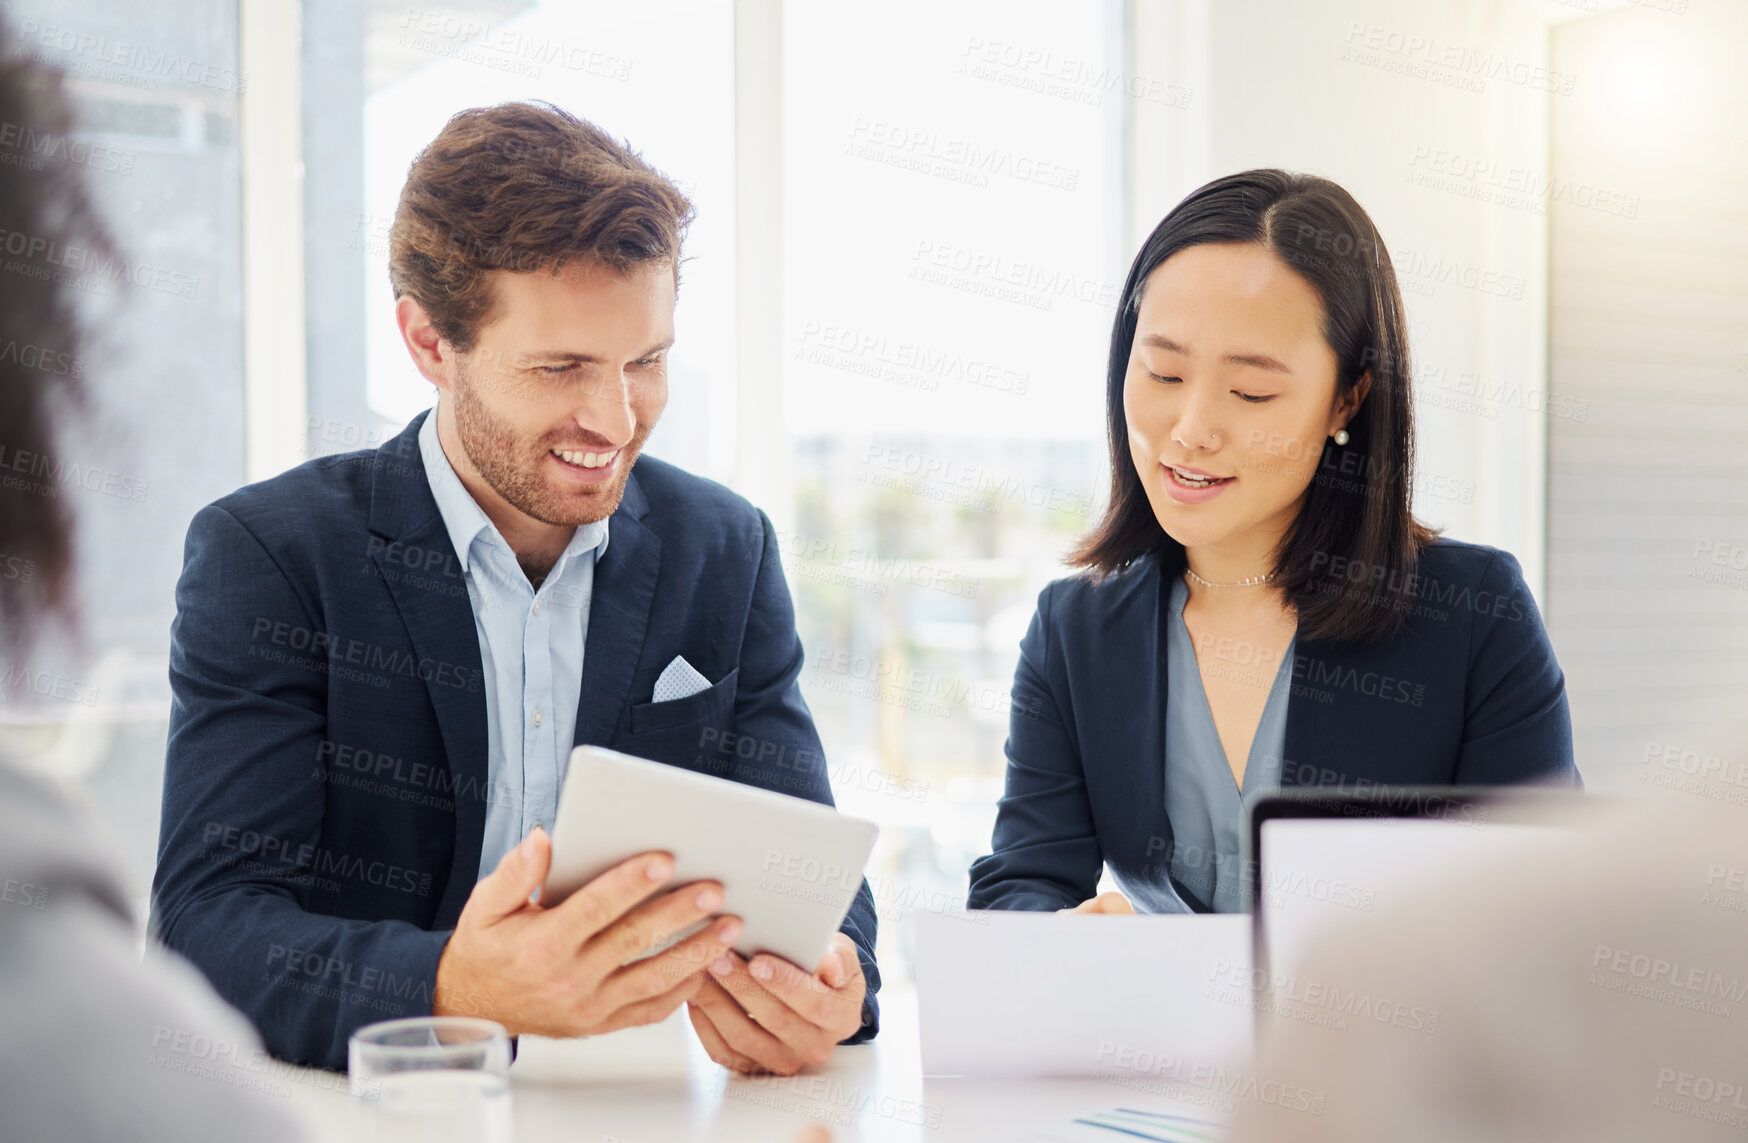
[[326, 783], [1467, 693]]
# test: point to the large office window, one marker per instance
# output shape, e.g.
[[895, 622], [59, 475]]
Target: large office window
[[948, 257], [952, 195]]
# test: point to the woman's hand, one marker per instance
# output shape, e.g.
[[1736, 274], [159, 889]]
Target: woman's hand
[[1103, 903]]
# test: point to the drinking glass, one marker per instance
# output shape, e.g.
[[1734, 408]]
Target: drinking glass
[[433, 1079]]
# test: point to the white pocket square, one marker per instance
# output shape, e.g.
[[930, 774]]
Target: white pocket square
[[678, 680]]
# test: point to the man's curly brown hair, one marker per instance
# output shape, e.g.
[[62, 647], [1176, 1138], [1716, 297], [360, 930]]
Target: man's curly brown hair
[[523, 186]]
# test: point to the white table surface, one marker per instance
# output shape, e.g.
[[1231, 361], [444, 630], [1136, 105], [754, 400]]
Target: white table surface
[[656, 1085]]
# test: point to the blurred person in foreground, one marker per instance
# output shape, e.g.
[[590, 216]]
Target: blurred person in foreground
[[1598, 992], [97, 1041], [1591, 988]]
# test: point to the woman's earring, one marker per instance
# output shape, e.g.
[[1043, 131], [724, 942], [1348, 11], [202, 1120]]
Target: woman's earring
[[1341, 436]]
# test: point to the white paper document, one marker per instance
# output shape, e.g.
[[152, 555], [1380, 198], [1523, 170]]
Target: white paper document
[[1050, 994]]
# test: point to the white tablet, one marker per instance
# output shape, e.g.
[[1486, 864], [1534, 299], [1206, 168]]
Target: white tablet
[[789, 868]]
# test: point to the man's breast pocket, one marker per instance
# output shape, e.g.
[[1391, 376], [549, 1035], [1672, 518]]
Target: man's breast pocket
[[711, 705]]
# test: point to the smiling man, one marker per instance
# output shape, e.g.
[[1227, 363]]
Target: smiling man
[[381, 660]]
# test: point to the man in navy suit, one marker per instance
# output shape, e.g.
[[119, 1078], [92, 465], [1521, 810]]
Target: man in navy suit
[[381, 660]]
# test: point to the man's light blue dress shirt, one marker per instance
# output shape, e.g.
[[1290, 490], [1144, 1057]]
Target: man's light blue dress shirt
[[531, 649]]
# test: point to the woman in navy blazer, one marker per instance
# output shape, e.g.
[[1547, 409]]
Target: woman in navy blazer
[[1260, 536]]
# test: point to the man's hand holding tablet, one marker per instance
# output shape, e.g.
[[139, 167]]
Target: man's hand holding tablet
[[767, 1015], [786, 867], [573, 969]]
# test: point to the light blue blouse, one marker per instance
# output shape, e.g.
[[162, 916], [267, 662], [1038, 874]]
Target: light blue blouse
[[1203, 803]]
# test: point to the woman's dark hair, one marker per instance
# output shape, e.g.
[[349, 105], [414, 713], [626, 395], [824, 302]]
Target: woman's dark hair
[[43, 205], [1347, 562]]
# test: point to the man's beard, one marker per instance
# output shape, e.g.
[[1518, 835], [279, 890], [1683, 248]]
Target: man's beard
[[513, 465]]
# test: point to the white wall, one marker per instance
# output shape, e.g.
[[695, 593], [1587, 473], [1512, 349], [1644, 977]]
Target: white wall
[[1648, 521]]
